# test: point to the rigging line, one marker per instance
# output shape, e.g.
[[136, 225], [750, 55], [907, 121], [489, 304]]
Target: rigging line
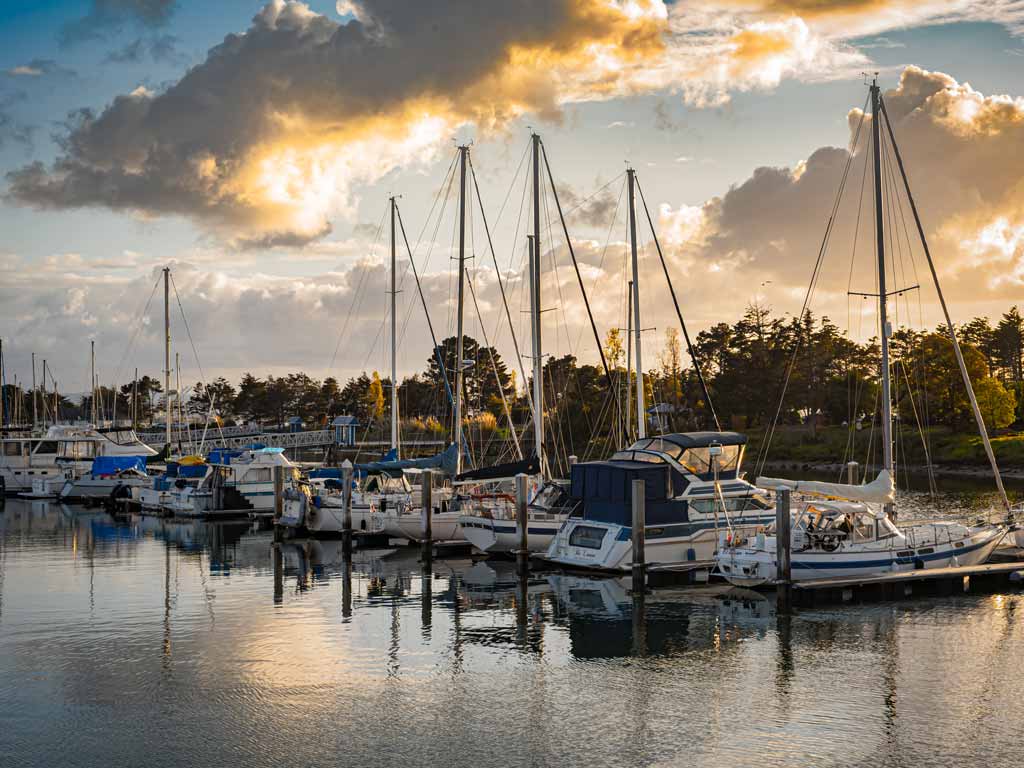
[[497, 270], [762, 456], [575, 264], [363, 271], [558, 284], [932, 488], [430, 324], [949, 321], [188, 331], [679, 313], [138, 329], [860, 199]]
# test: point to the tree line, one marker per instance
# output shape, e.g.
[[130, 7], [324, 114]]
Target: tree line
[[800, 370]]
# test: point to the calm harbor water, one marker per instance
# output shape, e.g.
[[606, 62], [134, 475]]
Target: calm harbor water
[[159, 643]]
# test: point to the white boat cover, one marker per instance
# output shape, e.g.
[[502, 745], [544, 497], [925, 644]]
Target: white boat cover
[[881, 490]]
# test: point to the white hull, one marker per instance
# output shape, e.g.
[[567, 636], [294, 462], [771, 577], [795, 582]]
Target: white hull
[[609, 547], [502, 537], [99, 488], [751, 567], [410, 525]]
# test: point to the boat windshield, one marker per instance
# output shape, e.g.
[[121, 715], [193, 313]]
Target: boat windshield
[[644, 456], [659, 445], [698, 460]]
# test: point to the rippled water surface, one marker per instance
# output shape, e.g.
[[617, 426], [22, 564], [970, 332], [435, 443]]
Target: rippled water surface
[[158, 643]]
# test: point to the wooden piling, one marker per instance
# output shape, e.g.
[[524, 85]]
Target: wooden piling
[[639, 525], [522, 522], [346, 526], [427, 506], [851, 472], [783, 553]]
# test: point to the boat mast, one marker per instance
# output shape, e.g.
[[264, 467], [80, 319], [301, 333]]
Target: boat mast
[[3, 413], [92, 379], [45, 406], [167, 351], [641, 422], [538, 393], [394, 341], [538, 361], [35, 414], [457, 426], [629, 364], [135, 401], [876, 124]]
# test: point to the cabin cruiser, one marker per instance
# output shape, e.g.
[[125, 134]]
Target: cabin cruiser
[[234, 477], [491, 525], [108, 477], [321, 509], [694, 493], [62, 453], [188, 471], [840, 535]]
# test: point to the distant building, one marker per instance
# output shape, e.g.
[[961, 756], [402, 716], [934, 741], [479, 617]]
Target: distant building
[[345, 430]]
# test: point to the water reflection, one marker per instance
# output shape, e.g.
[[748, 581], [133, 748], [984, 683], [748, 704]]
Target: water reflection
[[240, 648]]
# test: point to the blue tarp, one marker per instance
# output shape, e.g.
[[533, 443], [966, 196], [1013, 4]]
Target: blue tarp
[[445, 461], [111, 465], [222, 455]]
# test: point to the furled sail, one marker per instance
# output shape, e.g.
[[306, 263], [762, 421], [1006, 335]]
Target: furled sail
[[881, 490], [444, 461]]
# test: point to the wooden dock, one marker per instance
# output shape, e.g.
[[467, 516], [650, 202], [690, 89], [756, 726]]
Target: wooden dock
[[897, 586]]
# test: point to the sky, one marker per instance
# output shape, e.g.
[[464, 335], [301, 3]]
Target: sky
[[252, 147]]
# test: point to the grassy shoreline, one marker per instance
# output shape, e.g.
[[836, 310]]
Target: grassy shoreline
[[828, 449]]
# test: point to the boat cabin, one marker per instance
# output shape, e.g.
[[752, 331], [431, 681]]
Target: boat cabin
[[827, 525]]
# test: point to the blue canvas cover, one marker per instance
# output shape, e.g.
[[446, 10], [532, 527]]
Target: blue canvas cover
[[111, 465], [605, 489], [222, 455]]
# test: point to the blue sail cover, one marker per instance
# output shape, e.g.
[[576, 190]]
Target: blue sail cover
[[445, 461], [111, 465]]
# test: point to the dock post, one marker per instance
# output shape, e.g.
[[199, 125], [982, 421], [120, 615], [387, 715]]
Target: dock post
[[278, 499], [573, 460], [522, 518], [851, 472], [783, 546], [346, 495], [346, 589], [278, 574], [427, 506], [639, 524]]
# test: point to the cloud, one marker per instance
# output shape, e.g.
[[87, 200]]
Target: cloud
[[107, 17], [959, 149], [39, 68], [159, 48], [12, 129]]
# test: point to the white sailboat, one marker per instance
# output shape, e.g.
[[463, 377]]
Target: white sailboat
[[856, 535]]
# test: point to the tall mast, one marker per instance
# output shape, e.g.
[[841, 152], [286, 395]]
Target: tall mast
[[876, 124], [92, 379], [538, 370], [177, 394], [3, 413], [35, 414], [457, 426], [56, 402], [538, 361], [394, 341], [167, 350], [135, 401], [45, 406], [629, 361], [641, 422]]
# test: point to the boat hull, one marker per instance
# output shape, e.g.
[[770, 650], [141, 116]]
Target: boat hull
[[751, 567], [502, 536]]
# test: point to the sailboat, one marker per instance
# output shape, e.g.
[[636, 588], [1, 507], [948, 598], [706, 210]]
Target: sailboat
[[695, 492], [847, 529], [488, 520]]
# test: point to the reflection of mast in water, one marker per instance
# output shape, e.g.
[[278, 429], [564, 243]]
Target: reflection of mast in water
[[784, 665], [167, 607], [346, 585]]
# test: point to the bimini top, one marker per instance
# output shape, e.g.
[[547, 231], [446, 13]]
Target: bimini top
[[688, 440]]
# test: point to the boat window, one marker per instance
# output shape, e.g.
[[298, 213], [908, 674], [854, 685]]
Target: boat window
[[864, 528], [659, 445], [46, 446], [12, 449], [639, 445], [622, 456], [258, 475], [648, 458], [587, 536]]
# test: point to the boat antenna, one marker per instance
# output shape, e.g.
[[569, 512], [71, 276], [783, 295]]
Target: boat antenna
[[945, 310]]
